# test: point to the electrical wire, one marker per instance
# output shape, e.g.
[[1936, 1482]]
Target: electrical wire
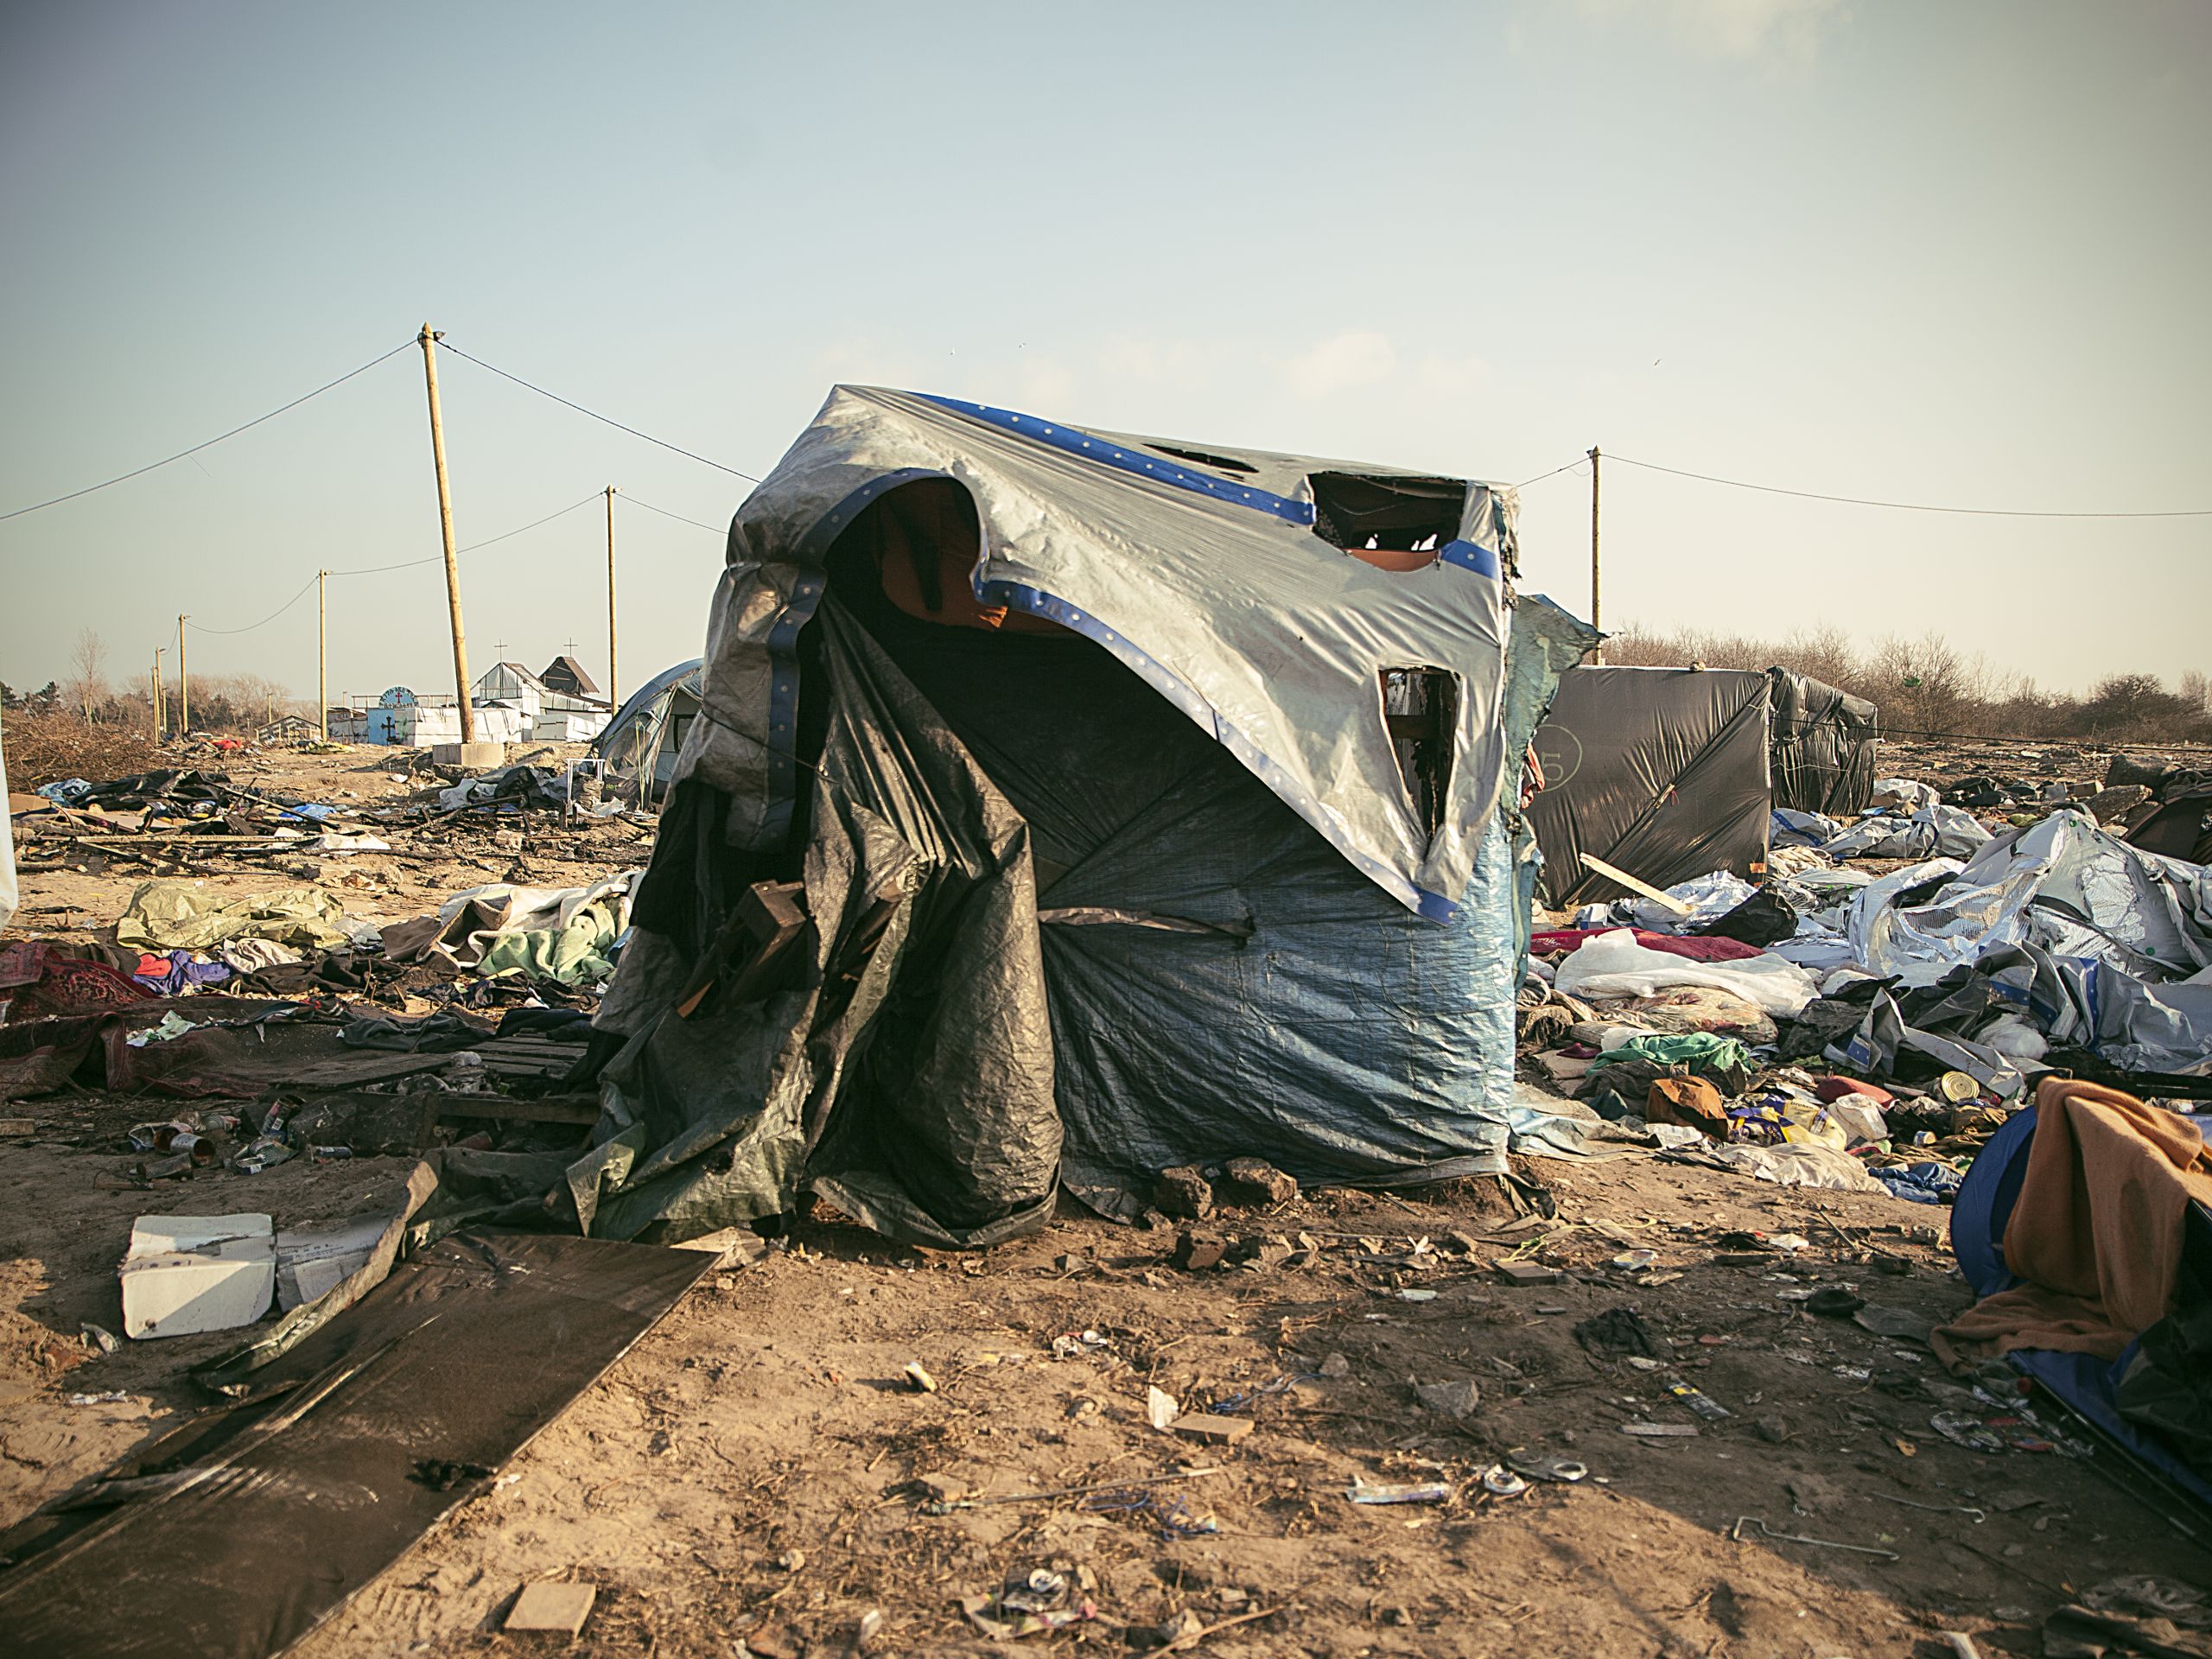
[[1902, 506], [1554, 472], [635, 502], [264, 622], [123, 478], [408, 564], [596, 415]]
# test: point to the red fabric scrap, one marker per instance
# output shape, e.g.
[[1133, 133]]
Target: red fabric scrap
[[1560, 941]]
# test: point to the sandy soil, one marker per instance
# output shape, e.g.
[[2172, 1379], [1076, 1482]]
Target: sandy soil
[[750, 1471]]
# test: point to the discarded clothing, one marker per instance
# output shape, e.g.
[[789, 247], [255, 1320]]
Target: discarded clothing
[[1614, 964], [563, 934], [1698, 1049], [37, 981], [1559, 940], [176, 972], [2097, 1230], [1690, 1101], [441, 1033], [1924, 1183]]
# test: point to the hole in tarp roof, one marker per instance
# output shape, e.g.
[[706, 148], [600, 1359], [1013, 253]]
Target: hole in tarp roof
[[1365, 514], [1221, 463]]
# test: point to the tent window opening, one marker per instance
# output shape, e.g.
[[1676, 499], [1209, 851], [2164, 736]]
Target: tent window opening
[[1420, 710], [1398, 524]]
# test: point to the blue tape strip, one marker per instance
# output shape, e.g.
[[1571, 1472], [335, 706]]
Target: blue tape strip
[[1472, 555], [1160, 468]]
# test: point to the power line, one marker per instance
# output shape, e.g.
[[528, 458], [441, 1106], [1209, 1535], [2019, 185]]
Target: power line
[[150, 466], [596, 415], [1555, 472], [265, 621], [1901, 506], [407, 564], [715, 530]]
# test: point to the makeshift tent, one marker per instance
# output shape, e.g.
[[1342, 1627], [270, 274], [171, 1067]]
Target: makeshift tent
[[1142, 803], [1822, 745], [1669, 773], [1659, 772], [646, 734]]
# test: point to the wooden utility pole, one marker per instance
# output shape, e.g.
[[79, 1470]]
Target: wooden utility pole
[[613, 701], [323, 652], [157, 694], [1597, 651], [183, 683], [429, 341]]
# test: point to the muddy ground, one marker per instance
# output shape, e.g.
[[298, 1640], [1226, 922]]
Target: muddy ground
[[752, 1470]]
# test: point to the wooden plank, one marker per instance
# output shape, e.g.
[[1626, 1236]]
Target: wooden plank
[[761, 935], [1633, 885]]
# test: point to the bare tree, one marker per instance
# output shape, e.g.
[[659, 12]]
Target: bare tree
[[2196, 689], [88, 671]]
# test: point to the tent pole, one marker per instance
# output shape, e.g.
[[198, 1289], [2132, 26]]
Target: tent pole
[[1596, 651], [429, 341]]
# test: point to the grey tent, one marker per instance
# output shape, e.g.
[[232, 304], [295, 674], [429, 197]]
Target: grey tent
[[643, 739], [1142, 803], [1668, 773]]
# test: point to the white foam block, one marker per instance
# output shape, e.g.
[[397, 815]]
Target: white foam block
[[189, 1274]]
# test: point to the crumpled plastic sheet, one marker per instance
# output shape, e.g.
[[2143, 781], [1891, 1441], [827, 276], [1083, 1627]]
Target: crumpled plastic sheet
[[1874, 1049], [165, 916], [1537, 1129], [2102, 945], [1614, 964], [546, 932], [1947, 831], [1792, 828], [1789, 1163]]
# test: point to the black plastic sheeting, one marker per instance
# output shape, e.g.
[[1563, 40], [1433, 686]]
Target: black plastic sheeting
[[1220, 981], [242, 1530], [1060, 932], [1660, 771], [1823, 745]]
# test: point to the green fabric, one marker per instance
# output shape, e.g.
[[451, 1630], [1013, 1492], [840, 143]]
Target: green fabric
[[574, 955], [1696, 1048], [184, 916]]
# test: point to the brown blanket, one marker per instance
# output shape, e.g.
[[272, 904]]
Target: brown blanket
[[2096, 1232]]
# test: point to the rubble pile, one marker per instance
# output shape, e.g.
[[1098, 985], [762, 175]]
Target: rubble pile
[[1871, 1012]]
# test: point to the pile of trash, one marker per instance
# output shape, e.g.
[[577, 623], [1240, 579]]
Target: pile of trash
[[1849, 1027]]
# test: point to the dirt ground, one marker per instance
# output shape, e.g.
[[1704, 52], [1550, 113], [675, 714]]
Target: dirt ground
[[752, 1470]]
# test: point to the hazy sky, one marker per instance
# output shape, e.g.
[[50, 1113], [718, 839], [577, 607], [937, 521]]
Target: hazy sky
[[1949, 252]]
